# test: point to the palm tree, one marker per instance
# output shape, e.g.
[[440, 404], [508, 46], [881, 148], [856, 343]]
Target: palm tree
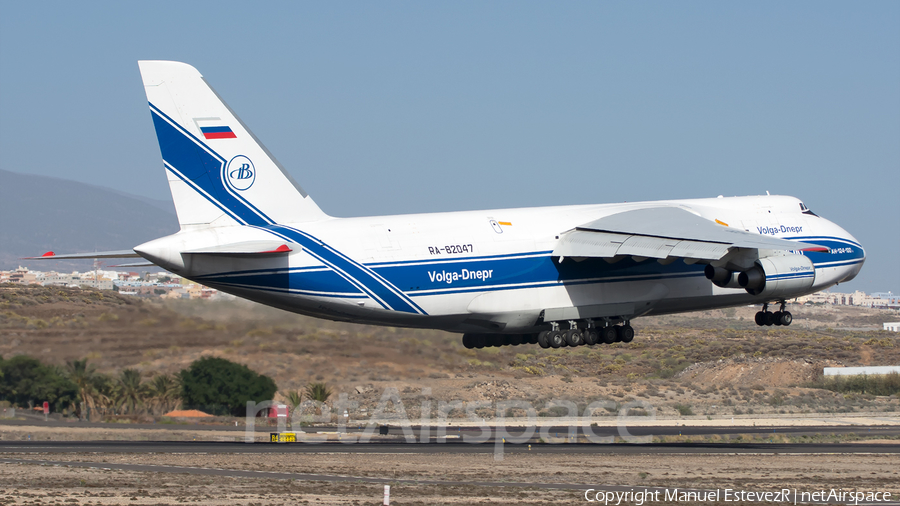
[[104, 391], [318, 392], [294, 399], [130, 390], [164, 390], [83, 375]]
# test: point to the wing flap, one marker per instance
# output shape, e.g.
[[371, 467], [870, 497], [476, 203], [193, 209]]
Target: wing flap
[[599, 244], [699, 250], [650, 247]]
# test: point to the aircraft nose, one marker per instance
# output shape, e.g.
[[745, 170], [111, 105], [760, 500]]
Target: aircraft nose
[[850, 252]]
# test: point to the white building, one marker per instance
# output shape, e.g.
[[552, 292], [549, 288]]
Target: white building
[[872, 370], [100, 280]]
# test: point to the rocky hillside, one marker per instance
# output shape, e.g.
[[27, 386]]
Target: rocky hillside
[[715, 363]]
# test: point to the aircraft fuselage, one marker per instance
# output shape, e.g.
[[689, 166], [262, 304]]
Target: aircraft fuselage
[[490, 271]]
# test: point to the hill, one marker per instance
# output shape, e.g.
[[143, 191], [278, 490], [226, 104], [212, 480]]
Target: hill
[[39, 214], [716, 363]]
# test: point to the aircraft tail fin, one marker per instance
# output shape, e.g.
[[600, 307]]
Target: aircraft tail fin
[[219, 173]]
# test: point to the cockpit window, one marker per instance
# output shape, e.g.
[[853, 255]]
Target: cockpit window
[[805, 210]]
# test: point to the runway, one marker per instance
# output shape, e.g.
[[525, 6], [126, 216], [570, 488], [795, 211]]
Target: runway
[[238, 473], [886, 430], [656, 430], [352, 466], [62, 447], [589, 491]]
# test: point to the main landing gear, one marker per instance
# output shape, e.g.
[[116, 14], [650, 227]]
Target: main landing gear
[[480, 341], [575, 336], [768, 318], [579, 333], [589, 335]]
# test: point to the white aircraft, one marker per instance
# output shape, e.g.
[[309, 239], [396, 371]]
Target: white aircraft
[[556, 276]]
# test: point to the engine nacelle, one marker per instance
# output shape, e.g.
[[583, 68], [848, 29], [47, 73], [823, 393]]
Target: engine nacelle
[[722, 277], [781, 276]]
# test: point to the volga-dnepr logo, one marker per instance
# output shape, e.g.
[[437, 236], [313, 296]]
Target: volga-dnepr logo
[[240, 173]]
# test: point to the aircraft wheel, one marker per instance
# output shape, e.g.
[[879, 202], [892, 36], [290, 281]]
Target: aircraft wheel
[[468, 341], [608, 335], [786, 318], [573, 337], [495, 340], [530, 339], [625, 333], [776, 318], [760, 318], [515, 339], [770, 319], [480, 341], [590, 336], [556, 339], [544, 339]]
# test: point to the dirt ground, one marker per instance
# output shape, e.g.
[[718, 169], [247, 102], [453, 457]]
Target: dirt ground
[[714, 364], [47, 484]]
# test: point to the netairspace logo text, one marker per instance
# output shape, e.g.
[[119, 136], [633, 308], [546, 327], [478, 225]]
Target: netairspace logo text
[[785, 495]]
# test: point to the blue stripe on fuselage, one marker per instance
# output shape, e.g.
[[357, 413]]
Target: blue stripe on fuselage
[[537, 269], [365, 279], [514, 272], [841, 251]]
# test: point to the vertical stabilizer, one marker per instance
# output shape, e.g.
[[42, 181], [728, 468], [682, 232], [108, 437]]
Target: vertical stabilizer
[[219, 173]]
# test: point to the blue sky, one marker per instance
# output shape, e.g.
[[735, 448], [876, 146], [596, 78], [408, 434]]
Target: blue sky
[[402, 107]]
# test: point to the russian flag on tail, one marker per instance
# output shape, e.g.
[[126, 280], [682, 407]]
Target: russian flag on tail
[[217, 132]]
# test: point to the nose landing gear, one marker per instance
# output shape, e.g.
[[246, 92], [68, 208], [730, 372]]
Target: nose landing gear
[[778, 318]]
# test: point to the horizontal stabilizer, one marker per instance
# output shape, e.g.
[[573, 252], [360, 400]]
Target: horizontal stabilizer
[[664, 232], [136, 264], [125, 253], [247, 248]]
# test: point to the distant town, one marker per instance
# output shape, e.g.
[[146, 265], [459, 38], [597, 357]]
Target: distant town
[[171, 286], [148, 284]]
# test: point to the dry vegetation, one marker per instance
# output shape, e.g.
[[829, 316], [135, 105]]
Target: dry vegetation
[[706, 364]]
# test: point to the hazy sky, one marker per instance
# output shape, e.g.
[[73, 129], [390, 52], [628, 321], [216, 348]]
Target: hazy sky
[[387, 107]]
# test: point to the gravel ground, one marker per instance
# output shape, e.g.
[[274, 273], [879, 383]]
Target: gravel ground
[[44, 484]]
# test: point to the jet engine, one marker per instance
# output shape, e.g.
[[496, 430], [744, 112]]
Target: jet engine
[[777, 276], [722, 277]]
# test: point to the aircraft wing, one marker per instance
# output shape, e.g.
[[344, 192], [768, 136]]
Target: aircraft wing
[[664, 232], [135, 264]]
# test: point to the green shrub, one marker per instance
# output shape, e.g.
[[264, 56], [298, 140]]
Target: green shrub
[[220, 386], [684, 409], [24, 379]]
